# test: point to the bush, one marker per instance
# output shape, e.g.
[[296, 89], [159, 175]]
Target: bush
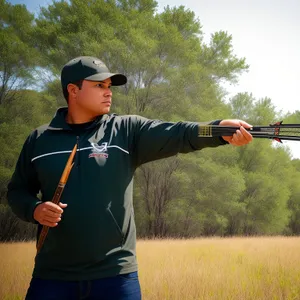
[[14, 229]]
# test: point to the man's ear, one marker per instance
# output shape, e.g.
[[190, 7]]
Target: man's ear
[[72, 90]]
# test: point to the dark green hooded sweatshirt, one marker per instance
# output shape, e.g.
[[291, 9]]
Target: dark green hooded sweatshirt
[[96, 237]]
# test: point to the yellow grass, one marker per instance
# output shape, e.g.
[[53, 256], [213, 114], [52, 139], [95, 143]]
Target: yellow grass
[[215, 268], [16, 263]]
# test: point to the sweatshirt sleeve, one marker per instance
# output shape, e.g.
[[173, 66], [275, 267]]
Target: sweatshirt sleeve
[[155, 139], [24, 185]]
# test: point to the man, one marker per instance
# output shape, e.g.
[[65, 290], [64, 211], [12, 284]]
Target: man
[[89, 252]]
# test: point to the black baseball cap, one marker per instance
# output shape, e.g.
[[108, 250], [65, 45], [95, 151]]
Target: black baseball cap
[[88, 68]]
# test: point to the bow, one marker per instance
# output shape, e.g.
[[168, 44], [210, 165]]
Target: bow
[[57, 195]]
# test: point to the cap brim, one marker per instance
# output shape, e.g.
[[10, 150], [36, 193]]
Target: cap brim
[[116, 79]]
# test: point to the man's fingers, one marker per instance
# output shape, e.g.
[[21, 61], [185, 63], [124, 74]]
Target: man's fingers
[[53, 207], [247, 135], [51, 213], [51, 219], [245, 124], [49, 224], [63, 205], [241, 137]]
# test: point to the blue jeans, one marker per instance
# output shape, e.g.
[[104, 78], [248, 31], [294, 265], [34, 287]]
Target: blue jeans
[[121, 287]]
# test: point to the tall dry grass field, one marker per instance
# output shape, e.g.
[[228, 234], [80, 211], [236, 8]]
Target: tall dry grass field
[[235, 268], [16, 263], [215, 268]]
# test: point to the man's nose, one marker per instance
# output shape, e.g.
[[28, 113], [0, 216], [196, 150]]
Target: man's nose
[[108, 92]]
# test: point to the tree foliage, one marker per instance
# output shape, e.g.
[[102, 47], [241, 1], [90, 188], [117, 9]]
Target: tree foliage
[[18, 55], [172, 75]]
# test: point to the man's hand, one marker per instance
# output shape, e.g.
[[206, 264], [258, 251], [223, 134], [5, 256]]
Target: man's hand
[[48, 213], [242, 136]]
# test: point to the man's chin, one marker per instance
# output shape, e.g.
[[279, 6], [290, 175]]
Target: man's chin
[[105, 111]]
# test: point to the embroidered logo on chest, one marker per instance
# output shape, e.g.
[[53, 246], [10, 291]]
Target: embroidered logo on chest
[[99, 150]]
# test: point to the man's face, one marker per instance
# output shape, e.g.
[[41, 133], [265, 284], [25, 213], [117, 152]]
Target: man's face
[[94, 98]]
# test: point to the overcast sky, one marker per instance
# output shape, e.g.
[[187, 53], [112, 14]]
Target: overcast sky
[[266, 33]]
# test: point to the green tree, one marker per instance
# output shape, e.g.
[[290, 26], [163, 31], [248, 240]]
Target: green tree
[[172, 75], [18, 56], [26, 111], [294, 200]]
